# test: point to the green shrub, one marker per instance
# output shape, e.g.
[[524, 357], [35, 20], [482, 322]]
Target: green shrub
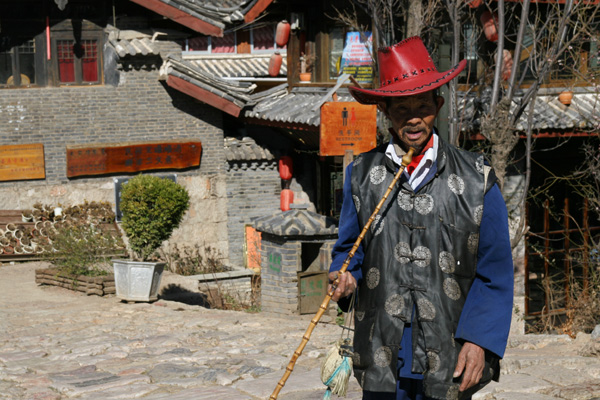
[[152, 208], [83, 250]]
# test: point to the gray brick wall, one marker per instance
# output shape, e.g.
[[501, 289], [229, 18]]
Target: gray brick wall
[[280, 264], [252, 191], [139, 108]]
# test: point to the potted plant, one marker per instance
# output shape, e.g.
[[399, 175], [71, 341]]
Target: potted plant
[[152, 208], [307, 62]]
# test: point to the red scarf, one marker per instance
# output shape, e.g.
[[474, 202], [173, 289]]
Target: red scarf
[[417, 159]]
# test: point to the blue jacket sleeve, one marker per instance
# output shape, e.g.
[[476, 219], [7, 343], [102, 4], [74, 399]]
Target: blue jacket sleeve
[[486, 316], [348, 232]]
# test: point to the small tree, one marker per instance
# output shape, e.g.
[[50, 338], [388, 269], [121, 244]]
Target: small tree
[[152, 208]]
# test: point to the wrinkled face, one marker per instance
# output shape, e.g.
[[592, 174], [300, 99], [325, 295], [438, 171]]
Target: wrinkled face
[[412, 118]]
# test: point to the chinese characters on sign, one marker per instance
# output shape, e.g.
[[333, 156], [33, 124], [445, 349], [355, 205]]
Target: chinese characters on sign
[[132, 158], [347, 126], [22, 162], [356, 57]]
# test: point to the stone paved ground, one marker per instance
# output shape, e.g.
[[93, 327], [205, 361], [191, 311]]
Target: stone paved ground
[[58, 344]]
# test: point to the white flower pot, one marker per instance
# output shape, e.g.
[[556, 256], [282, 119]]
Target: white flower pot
[[137, 280]]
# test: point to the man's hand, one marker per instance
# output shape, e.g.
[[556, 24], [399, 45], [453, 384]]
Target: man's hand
[[470, 364], [346, 286]]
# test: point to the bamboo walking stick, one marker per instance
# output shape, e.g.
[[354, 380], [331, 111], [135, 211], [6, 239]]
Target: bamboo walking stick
[[406, 159]]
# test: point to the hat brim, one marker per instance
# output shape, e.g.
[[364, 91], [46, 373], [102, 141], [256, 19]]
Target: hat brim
[[420, 84]]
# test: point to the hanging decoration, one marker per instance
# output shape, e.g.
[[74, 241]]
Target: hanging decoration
[[282, 34], [565, 97], [286, 168], [287, 198], [507, 64], [275, 63], [488, 21]]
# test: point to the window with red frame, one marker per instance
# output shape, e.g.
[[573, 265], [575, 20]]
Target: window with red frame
[[77, 61]]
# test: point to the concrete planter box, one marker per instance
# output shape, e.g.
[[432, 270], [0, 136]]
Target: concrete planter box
[[137, 280], [90, 285]]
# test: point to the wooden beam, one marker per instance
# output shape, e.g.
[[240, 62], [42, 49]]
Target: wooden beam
[[255, 11], [203, 95], [181, 17]]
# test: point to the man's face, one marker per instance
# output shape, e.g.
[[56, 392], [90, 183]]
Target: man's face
[[412, 118]]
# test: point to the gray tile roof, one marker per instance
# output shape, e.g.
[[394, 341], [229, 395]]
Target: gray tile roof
[[131, 43], [300, 106], [550, 114], [215, 12], [245, 149], [236, 65], [297, 223], [233, 91]]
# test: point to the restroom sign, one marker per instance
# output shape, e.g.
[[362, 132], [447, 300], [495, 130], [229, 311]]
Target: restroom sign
[[347, 126]]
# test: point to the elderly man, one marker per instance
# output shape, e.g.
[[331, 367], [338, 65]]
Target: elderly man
[[434, 274]]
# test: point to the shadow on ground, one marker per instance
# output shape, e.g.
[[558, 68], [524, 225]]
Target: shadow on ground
[[174, 292]]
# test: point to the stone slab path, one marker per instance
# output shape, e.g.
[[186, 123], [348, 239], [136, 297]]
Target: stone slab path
[[57, 344]]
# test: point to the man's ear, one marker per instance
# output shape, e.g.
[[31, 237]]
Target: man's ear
[[440, 102]]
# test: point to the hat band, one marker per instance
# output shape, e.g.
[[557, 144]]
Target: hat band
[[409, 75], [442, 78]]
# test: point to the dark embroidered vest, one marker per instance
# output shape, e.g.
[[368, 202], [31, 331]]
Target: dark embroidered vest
[[421, 255]]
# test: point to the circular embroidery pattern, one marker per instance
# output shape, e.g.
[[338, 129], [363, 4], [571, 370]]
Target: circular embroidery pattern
[[383, 356], [377, 174], [456, 184], [478, 214], [424, 204], [479, 164], [473, 243], [453, 392], [451, 288], [426, 310], [356, 202], [447, 262], [377, 226], [394, 305], [372, 278], [360, 315], [433, 361], [422, 256], [402, 253], [405, 201]]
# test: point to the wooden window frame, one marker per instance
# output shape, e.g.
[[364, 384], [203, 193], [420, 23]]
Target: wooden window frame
[[66, 35]]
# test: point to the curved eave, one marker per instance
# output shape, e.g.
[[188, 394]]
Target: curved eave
[[182, 17], [203, 95]]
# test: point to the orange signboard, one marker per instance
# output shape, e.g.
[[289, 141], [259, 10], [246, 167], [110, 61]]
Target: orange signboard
[[347, 126], [131, 157], [22, 162]]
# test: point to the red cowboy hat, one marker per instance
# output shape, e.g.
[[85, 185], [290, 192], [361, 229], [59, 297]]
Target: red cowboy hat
[[405, 69]]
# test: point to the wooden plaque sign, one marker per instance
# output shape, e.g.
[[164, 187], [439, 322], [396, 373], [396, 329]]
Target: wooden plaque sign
[[22, 162], [347, 126], [131, 157]]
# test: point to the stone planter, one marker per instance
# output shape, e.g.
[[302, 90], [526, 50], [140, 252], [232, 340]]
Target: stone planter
[[90, 285], [137, 280]]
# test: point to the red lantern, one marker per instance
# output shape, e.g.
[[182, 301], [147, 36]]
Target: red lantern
[[287, 198], [285, 168], [283, 33], [275, 63], [507, 64], [489, 26], [475, 3]]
